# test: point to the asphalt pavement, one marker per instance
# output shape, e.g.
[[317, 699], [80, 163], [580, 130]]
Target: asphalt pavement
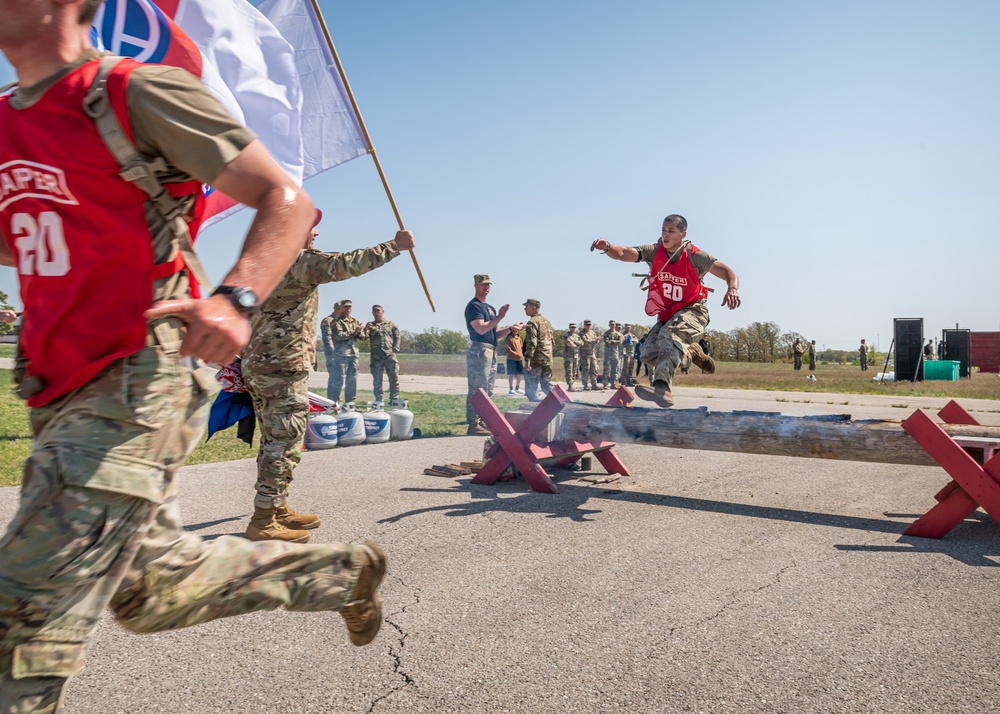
[[703, 582]]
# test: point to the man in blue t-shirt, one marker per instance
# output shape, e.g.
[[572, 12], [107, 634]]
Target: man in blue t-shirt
[[481, 360]]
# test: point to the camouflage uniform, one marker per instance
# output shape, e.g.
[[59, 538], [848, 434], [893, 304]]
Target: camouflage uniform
[[613, 340], [628, 357], [797, 351], [537, 355], [344, 370], [572, 342], [666, 345], [283, 347], [588, 358], [326, 335], [383, 338], [98, 523]]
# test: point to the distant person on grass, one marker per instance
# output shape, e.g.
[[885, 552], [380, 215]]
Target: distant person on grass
[[678, 299]]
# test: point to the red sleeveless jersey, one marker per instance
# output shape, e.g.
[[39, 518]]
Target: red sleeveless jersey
[[78, 232], [673, 286]]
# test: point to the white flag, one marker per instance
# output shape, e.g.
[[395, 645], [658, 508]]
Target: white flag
[[331, 132]]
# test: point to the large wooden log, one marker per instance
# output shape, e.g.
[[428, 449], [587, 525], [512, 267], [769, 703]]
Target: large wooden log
[[819, 437]]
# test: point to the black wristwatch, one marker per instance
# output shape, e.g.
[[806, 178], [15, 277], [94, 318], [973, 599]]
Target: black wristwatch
[[243, 299]]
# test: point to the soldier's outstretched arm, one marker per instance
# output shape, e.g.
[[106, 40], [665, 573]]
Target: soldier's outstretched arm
[[318, 268], [624, 253]]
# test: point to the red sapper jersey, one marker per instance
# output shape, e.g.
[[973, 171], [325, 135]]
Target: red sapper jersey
[[78, 232], [673, 286]]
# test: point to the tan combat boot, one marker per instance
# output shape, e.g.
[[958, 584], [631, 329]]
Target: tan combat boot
[[285, 516], [363, 614], [701, 359], [263, 526], [659, 394]]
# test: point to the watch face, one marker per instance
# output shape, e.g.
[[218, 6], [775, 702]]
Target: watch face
[[246, 298]]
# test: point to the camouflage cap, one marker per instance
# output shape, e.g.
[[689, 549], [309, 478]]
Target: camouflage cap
[[336, 305], [533, 301], [482, 278], [612, 322], [587, 322], [377, 307], [572, 325], [627, 325], [346, 303]]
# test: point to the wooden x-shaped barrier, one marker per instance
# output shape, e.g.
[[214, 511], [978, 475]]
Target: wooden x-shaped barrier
[[973, 485], [520, 448]]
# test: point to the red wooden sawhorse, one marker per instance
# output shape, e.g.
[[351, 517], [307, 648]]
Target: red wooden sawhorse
[[973, 486], [518, 446]]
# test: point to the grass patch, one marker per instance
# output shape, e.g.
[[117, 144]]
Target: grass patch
[[8, 350], [15, 431]]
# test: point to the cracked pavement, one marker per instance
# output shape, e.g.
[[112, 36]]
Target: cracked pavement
[[704, 582]]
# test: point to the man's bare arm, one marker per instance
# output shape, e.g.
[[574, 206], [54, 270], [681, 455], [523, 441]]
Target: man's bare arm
[[217, 332], [723, 271], [626, 254]]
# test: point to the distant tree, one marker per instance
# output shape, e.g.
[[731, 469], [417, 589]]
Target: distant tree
[[427, 343], [5, 327], [452, 342]]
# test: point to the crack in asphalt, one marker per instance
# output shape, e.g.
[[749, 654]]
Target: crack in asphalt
[[396, 650]]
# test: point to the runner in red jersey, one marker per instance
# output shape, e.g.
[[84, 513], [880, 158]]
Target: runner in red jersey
[[98, 523], [677, 297]]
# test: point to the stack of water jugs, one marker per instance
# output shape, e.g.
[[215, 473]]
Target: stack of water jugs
[[332, 424]]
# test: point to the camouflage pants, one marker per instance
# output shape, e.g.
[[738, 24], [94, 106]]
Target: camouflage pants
[[571, 366], [538, 378], [389, 365], [612, 366], [798, 361], [666, 346], [628, 364], [343, 375], [481, 369], [281, 402], [98, 525], [588, 370]]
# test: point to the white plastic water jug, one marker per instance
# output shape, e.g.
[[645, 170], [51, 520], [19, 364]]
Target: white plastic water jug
[[401, 421], [321, 431], [376, 425], [350, 427]]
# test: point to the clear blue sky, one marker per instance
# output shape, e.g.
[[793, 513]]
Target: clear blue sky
[[843, 158]]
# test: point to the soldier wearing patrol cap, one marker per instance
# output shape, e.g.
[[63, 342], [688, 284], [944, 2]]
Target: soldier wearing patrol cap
[[347, 330], [628, 355], [537, 352], [276, 369], [482, 322], [571, 355], [588, 357], [612, 354], [326, 330], [383, 343]]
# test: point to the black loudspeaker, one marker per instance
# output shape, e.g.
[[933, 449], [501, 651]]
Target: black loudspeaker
[[909, 333], [958, 347]]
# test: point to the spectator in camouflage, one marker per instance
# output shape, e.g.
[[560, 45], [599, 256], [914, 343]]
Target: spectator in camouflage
[[571, 355], [537, 352], [383, 344], [588, 357]]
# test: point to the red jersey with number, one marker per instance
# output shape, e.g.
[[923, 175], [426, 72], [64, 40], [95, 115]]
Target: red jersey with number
[[673, 286], [78, 233]]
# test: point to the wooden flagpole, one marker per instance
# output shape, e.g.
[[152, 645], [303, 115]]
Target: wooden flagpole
[[371, 147]]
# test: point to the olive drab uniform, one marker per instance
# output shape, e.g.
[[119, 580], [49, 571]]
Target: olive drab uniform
[[537, 356], [383, 340], [797, 352], [588, 358], [572, 342], [345, 335], [863, 354], [282, 349], [629, 342], [613, 340]]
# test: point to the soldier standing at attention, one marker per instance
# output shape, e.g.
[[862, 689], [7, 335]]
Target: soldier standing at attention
[[326, 330], [537, 352], [118, 400], [383, 342], [812, 356], [588, 357], [612, 354], [346, 333], [797, 351], [863, 353], [482, 322], [628, 356], [572, 342], [276, 372], [677, 298]]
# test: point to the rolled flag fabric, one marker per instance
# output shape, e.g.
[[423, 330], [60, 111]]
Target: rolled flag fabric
[[247, 63]]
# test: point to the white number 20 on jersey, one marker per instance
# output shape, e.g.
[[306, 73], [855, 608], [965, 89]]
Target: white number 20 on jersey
[[41, 244], [673, 292]]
